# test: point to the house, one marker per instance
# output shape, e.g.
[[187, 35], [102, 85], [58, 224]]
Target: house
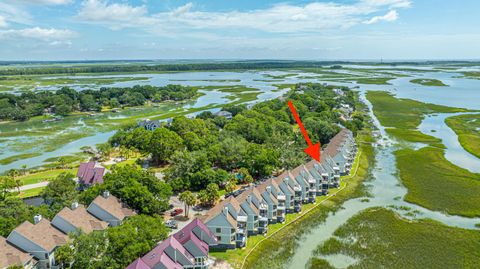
[[248, 207], [110, 209], [241, 218], [224, 113], [89, 174], [149, 125], [39, 240], [187, 248], [75, 218], [12, 256], [282, 182], [222, 224]]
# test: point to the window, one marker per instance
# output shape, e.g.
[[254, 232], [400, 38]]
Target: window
[[218, 230], [233, 230]]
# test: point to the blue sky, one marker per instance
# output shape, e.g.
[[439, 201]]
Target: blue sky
[[243, 29]]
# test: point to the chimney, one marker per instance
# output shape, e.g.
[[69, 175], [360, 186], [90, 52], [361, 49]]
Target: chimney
[[249, 199], [269, 189], [74, 205], [37, 218], [225, 211], [106, 194]]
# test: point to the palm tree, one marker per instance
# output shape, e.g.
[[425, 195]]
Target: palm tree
[[188, 199], [24, 169], [18, 184]]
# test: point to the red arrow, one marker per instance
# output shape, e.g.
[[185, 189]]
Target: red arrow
[[312, 150]]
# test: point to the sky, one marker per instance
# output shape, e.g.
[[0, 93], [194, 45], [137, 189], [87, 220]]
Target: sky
[[240, 29]]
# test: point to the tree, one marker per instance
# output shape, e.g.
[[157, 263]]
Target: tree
[[188, 199], [163, 144], [213, 193], [244, 176], [61, 191], [7, 183], [203, 198], [231, 185], [105, 149], [64, 256], [18, 183], [63, 109], [13, 173]]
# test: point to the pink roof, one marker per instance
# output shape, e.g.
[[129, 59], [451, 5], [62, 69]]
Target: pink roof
[[89, 174], [154, 257], [198, 223], [183, 238], [138, 264]]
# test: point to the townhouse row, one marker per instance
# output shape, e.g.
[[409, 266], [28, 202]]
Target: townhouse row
[[187, 248], [249, 213], [33, 245]]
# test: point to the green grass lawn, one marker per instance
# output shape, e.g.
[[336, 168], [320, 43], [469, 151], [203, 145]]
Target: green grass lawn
[[467, 127], [44, 175], [428, 82], [379, 238], [30, 193]]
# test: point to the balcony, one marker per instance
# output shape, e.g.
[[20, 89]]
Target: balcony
[[242, 219], [281, 197]]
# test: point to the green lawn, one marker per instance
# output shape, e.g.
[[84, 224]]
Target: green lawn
[[467, 127], [31, 193], [428, 82], [44, 175], [381, 239]]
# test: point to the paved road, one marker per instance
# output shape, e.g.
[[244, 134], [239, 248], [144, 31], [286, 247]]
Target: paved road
[[33, 186]]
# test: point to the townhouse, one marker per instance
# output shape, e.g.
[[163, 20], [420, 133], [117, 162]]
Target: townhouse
[[110, 209], [76, 219], [187, 248], [235, 218], [33, 245], [11, 256], [40, 240]]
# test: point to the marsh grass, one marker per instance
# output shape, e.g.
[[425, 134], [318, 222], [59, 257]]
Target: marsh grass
[[428, 82], [467, 127], [380, 238]]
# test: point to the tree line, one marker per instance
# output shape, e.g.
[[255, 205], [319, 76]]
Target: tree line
[[258, 141], [67, 100]]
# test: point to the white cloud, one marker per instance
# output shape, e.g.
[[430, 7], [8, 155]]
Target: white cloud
[[281, 18], [114, 16], [40, 34], [45, 2], [12, 13], [392, 15], [3, 22]]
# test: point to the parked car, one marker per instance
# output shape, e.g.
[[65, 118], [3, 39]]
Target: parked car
[[176, 212], [172, 224]]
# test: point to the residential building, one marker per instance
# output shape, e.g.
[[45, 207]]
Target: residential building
[[12, 256], [89, 174], [110, 209], [224, 113], [39, 240], [188, 248], [149, 125], [222, 224], [76, 218], [269, 201]]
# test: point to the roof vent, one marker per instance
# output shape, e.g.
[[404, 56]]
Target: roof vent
[[74, 205], [37, 218], [106, 194]]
